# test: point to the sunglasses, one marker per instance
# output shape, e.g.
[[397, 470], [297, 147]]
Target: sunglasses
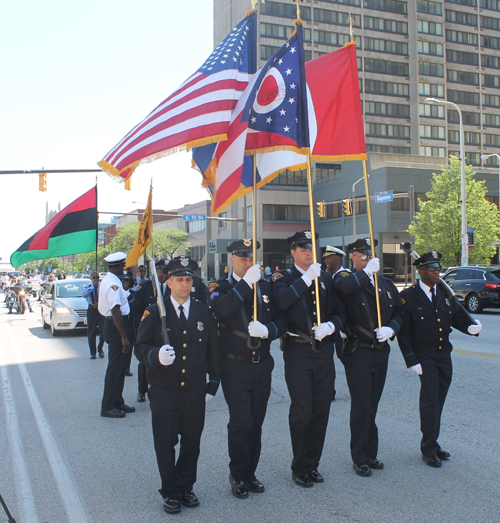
[[433, 269], [363, 257]]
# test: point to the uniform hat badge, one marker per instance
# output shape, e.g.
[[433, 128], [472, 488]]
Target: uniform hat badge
[[308, 234], [435, 255], [247, 242], [184, 261]]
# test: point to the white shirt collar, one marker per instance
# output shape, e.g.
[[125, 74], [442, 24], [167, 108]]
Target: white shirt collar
[[236, 277], [185, 306], [302, 271], [427, 289]]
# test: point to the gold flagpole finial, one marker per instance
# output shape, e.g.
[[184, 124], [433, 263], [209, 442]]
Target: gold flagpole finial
[[254, 4], [351, 22], [298, 8]]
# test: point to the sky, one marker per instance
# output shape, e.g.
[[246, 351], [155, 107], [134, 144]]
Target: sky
[[75, 78]]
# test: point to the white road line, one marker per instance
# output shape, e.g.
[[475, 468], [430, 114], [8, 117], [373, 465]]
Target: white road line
[[74, 508], [21, 477]]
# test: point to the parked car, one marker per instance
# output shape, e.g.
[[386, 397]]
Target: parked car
[[389, 272], [477, 287], [63, 306]]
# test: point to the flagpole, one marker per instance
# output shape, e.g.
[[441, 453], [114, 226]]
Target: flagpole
[[97, 226], [313, 237], [254, 231], [372, 242]]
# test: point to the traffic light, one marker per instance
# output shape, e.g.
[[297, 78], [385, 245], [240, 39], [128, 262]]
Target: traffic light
[[406, 246], [42, 182], [346, 204], [321, 209]]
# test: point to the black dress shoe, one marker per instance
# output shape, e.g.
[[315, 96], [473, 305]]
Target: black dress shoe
[[442, 454], [315, 476], [113, 413], [128, 373], [238, 488], [101, 354], [126, 408], [362, 470], [171, 505], [189, 499], [141, 398], [374, 463], [93, 357], [303, 481], [254, 485], [432, 461]]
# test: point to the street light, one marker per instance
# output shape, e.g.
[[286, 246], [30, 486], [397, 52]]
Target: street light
[[484, 157], [465, 248], [354, 207]]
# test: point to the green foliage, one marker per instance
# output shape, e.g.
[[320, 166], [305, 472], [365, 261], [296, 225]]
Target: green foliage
[[167, 242], [437, 225]]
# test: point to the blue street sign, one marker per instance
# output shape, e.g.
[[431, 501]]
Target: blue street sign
[[194, 217], [384, 197]]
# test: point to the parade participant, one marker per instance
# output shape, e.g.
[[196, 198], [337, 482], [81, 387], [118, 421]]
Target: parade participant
[[246, 360], [333, 260], [118, 331], [177, 377], [94, 319], [366, 351], [199, 289], [141, 275], [425, 345], [308, 354], [127, 284]]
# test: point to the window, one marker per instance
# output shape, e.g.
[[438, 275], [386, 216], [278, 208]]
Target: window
[[471, 3], [400, 204], [469, 137], [385, 67], [392, 6], [461, 18], [461, 57], [328, 171], [432, 151], [431, 111], [266, 51], [285, 10], [345, 2], [492, 5], [490, 80], [431, 69], [432, 131], [328, 38], [196, 227], [383, 24], [222, 223], [432, 28], [491, 140], [467, 117], [462, 77], [326, 16], [387, 130], [386, 109], [433, 8], [490, 61], [385, 46], [491, 120], [435, 90], [390, 88], [291, 178], [461, 37], [430, 48], [393, 149], [333, 211], [197, 253], [491, 100], [490, 42], [285, 212], [490, 23], [463, 97], [249, 214], [281, 31]]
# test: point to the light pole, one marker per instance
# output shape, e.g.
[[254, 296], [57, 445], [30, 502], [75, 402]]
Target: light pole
[[354, 208], [465, 248], [484, 157]]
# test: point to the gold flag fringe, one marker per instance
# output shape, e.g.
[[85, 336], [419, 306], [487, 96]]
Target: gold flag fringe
[[348, 44], [338, 157], [248, 13], [299, 150]]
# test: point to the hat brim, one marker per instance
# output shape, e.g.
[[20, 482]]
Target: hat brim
[[243, 254], [326, 254], [181, 272], [431, 265], [303, 245]]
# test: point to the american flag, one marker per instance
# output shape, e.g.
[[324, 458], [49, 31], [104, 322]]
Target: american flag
[[198, 112]]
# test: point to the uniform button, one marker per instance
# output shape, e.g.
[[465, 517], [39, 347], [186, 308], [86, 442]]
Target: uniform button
[[183, 371], [314, 313], [314, 302], [253, 353], [422, 318], [184, 332], [184, 345], [439, 319], [199, 339], [363, 304], [182, 384], [184, 357], [440, 330], [440, 339], [440, 347], [312, 292]]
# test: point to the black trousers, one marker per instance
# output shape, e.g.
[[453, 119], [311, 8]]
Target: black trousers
[[309, 377], [177, 412], [365, 370], [117, 365], [95, 323], [435, 381], [142, 378], [247, 387]]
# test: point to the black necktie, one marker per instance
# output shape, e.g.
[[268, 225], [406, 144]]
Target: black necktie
[[161, 289], [182, 316], [433, 296]]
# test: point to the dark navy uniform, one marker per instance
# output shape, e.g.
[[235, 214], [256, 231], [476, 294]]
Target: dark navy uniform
[[246, 373], [366, 367], [177, 392], [309, 373]]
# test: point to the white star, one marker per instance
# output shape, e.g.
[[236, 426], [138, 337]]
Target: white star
[[293, 50], [286, 128], [225, 56], [254, 119], [287, 44], [288, 71], [291, 100], [239, 47], [222, 61], [234, 59], [281, 61], [296, 120], [241, 62], [275, 60], [292, 86], [282, 112], [237, 54], [210, 68], [230, 45], [269, 120]]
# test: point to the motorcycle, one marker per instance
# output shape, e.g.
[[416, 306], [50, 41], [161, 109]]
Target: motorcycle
[[21, 299]]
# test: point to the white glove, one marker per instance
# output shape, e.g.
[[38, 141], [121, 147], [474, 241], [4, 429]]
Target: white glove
[[475, 329], [312, 273], [384, 333], [372, 266], [208, 397], [323, 330], [252, 275], [256, 329], [417, 369], [166, 355]]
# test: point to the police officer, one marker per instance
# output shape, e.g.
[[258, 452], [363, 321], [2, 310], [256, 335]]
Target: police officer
[[308, 354], [246, 361], [118, 331], [94, 319], [177, 377], [366, 353], [333, 260], [198, 290], [426, 348]]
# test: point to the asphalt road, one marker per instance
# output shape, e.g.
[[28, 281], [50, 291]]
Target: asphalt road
[[61, 462]]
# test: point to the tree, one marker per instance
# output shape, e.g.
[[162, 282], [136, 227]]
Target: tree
[[437, 225], [167, 242]]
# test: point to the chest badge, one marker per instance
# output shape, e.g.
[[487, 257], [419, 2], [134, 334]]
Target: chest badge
[[447, 301], [193, 289], [265, 298], [199, 326], [389, 295], [323, 286]]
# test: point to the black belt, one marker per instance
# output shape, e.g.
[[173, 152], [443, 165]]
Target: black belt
[[247, 359], [126, 316], [297, 339]]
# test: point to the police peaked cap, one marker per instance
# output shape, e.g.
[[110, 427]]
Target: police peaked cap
[[127, 275], [115, 258], [332, 250], [429, 259], [302, 239], [180, 266], [242, 248], [362, 245]]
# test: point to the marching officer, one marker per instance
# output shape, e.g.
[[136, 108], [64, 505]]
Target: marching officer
[[118, 333], [94, 319], [426, 348], [177, 377], [366, 351], [308, 354], [246, 360], [333, 260]]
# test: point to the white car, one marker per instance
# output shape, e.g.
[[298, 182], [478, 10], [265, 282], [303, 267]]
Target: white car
[[63, 307]]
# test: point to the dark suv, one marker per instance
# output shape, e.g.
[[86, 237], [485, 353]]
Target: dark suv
[[476, 287]]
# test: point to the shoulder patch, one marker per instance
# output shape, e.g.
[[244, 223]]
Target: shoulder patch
[[115, 287], [212, 286], [403, 301], [277, 276], [138, 287], [146, 313], [344, 273]]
